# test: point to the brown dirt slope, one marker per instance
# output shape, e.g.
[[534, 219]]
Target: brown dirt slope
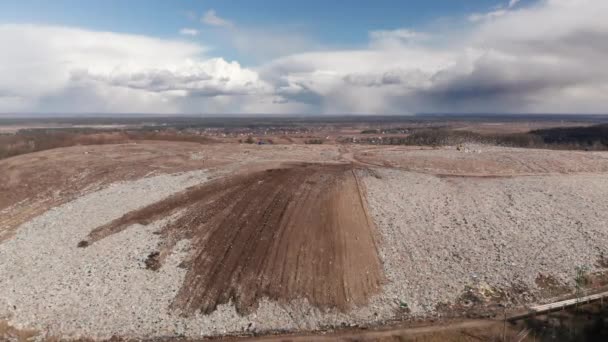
[[32, 183], [301, 231]]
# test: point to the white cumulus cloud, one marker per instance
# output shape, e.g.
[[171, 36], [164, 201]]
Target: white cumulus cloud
[[513, 3], [188, 32], [211, 18], [550, 56], [52, 68]]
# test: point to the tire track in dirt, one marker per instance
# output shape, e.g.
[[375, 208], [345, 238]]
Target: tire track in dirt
[[300, 231]]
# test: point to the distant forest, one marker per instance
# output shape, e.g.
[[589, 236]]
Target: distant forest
[[570, 138]]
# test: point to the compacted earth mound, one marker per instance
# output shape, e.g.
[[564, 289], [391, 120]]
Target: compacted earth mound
[[32, 183], [154, 241], [299, 231]]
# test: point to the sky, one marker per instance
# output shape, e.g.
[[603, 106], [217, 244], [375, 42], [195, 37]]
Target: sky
[[303, 57]]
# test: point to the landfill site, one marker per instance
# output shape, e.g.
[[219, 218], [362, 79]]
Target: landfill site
[[156, 239]]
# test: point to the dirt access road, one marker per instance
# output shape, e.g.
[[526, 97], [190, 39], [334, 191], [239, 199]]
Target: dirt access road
[[463, 331]]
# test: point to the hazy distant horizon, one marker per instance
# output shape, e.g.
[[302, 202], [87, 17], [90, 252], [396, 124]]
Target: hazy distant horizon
[[557, 116]]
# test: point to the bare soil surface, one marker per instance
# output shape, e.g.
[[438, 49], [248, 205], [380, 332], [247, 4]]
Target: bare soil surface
[[484, 160], [211, 240], [32, 183], [10, 333], [308, 236], [463, 331]]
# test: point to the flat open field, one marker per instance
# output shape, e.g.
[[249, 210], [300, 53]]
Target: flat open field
[[158, 239]]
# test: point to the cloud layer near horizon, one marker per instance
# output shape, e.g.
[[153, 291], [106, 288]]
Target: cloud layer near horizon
[[548, 57]]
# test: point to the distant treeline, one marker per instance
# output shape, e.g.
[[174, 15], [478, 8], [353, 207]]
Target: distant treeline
[[575, 138], [390, 130], [587, 137], [34, 140]]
